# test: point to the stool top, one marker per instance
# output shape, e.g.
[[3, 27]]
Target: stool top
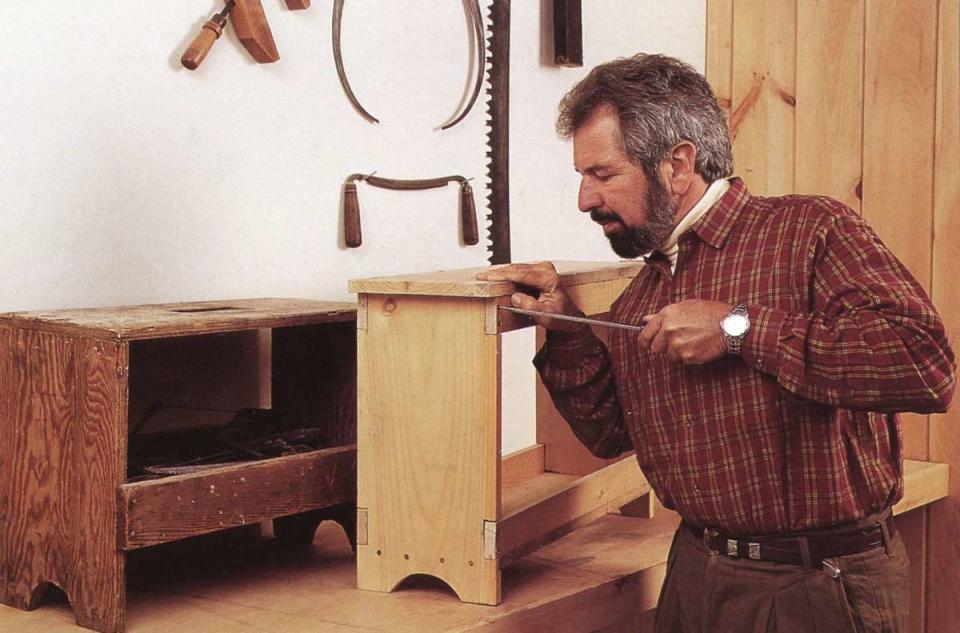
[[463, 282]]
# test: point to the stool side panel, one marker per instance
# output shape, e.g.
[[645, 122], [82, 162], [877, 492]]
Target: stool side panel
[[62, 412], [428, 443]]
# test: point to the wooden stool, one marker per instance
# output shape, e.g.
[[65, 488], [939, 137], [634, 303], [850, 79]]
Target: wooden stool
[[433, 494], [72, 383]]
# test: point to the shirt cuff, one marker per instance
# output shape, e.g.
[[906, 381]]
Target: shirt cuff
[[760, 346]]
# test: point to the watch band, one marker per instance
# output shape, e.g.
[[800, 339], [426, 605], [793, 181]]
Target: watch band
[[735, 343]]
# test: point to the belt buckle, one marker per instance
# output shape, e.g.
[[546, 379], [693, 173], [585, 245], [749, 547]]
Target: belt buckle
[[708, 535], [732, 548]]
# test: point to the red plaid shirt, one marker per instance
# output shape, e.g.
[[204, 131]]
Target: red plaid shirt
[[801, 431]]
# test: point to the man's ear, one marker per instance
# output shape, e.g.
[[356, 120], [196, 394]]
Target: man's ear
[[678, 168]]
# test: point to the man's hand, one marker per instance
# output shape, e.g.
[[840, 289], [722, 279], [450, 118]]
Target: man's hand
[[688, 331], [551, 295]]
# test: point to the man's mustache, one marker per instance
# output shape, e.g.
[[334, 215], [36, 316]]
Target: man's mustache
[[602, 217]]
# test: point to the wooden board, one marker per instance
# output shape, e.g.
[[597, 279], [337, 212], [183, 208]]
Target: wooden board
[[719, 63], [764, 95], [463, 282], [181, 506], [549, 506], [60, 467], [253, 30], [183, 319], [829, 99], [429, 443], [943, 607]]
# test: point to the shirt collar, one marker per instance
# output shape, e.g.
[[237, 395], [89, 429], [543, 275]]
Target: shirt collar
[[714, 192], [714, 227]]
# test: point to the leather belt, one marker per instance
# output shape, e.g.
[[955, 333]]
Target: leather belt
[[809, 549]]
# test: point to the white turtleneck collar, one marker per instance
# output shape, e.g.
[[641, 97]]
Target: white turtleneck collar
[[714, 192]]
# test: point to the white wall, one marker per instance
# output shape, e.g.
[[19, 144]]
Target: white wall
[[125, 178]]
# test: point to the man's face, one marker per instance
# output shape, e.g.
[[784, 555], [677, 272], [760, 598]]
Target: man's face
[[636, 214]]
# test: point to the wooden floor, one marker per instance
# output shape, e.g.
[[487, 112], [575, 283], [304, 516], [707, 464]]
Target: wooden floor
[[254, 585], [259, 586]]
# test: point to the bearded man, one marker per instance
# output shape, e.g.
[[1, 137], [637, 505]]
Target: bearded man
[[781, 338]]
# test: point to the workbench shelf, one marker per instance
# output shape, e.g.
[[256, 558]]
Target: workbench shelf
[[434, 495], [78, 386]]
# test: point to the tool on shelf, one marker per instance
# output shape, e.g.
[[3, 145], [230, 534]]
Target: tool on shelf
[[203, 42], [351, 205]]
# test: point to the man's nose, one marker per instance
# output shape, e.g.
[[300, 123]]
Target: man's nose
[[588, 198]]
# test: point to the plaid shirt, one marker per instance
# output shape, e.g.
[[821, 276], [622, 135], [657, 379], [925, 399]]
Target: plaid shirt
[[799, 432]]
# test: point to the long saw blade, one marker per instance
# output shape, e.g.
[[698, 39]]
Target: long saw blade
[[498, 138]]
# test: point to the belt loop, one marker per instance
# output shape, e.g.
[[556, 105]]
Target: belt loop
[[885, 530], [805, 552]]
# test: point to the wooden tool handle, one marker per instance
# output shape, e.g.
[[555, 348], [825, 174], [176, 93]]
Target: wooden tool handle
[[468, 215], [351, 216], [201, 45]]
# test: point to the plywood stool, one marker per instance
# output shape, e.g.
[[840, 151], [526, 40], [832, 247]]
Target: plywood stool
[[434, 495]]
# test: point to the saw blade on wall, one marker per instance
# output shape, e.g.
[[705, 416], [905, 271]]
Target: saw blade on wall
[[498, 138]]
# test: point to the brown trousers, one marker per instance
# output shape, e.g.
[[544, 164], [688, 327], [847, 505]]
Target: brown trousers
[[709, 593]]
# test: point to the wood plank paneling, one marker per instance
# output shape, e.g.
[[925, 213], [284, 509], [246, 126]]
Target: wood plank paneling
[[829, 99], [719, 62], [943, 579], [764, 94], [876, 92]]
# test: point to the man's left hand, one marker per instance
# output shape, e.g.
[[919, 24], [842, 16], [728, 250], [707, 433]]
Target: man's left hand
[[688, 331]]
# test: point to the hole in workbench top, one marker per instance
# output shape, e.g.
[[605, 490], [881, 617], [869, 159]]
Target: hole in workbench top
[[206, 309]]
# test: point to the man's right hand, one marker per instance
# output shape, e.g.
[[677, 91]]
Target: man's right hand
[[551, 296]]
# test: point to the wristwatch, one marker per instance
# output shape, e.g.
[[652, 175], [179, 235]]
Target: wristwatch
[[735, 327]]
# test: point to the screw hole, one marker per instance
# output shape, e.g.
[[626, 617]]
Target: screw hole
[[470, 563], [379, 552], [442, 561], [406, 557]]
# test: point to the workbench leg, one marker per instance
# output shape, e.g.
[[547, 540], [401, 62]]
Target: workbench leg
[[99, 602]]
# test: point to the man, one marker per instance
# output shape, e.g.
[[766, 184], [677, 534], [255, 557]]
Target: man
[[780, 339]]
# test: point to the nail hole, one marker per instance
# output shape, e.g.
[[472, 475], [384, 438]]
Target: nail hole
[[379, 552], [406, 557]]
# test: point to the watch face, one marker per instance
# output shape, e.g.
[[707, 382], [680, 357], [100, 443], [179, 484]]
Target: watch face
[[735, 325]]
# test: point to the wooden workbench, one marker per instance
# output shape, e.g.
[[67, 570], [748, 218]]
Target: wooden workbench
[[603, 577]]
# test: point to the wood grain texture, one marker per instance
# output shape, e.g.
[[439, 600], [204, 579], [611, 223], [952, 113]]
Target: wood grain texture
[[428, 443], [762, 122], [527, 524], [183, 319], [181, 506], [943, 607], [829, 99], [253, 30], [463, 282], [64, 414], [719, 62]]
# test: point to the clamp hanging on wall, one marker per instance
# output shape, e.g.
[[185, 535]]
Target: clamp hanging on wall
[[479, 45], [251, 26], [351, 205]]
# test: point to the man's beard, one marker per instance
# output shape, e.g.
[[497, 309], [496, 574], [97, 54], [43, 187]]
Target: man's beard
[[631, 243]]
